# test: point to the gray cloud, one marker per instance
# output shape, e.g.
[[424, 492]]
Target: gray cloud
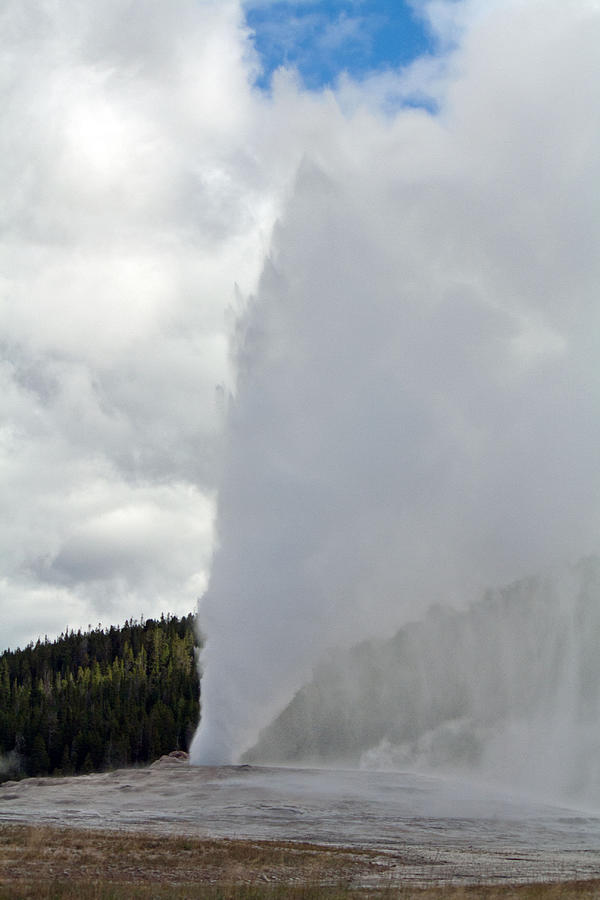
[[134, 197]]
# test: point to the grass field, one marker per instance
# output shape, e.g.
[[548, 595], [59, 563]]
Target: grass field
[[45, 862]]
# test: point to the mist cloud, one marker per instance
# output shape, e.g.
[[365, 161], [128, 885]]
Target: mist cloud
[[416, 407]]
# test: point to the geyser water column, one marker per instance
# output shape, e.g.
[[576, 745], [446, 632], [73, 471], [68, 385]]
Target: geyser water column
[[507, 690], [416, 413]]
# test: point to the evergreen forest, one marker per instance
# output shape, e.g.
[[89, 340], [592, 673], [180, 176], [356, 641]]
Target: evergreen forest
[[98, 700]]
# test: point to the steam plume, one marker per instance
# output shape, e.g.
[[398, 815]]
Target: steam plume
[[416, 414]]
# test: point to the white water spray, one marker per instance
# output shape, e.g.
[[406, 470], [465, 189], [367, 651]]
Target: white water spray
[[508, 690], [416, 416]]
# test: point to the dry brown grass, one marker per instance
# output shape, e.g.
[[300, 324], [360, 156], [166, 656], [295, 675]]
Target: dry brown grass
[[62, 859], [45, 863]]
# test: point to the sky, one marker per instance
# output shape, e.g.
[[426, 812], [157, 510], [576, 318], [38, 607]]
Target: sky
[[239, 239], [323, 39]]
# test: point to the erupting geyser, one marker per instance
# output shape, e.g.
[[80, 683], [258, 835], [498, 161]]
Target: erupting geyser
[[508, 690], [417, 419]]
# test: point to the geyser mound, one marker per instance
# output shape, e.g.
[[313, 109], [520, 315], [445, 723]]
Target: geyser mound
[[508, 690]]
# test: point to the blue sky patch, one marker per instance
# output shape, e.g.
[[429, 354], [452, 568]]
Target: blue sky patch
[[322, 38]]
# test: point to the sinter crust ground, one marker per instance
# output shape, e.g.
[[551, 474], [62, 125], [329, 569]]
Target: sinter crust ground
[[423, 830]]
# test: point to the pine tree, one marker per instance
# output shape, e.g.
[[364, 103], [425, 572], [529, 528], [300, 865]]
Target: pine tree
[[100, 699]]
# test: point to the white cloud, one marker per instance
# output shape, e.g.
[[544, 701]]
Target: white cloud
[[134, 198]]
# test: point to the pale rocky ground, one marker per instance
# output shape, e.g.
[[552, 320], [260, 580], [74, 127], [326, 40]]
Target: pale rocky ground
[[432, 830]]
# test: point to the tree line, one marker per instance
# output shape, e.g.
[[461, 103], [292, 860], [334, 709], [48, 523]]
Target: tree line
[[100, 699]]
